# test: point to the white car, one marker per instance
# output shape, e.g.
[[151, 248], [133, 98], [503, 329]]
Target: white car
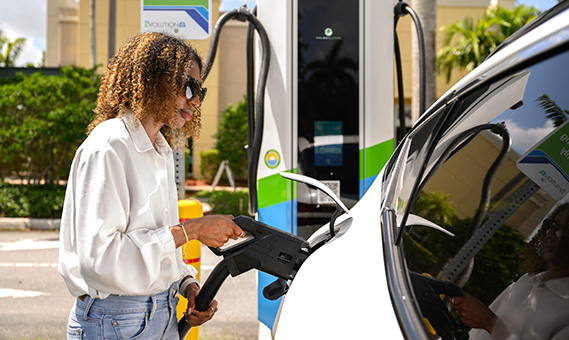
[[488, 162]]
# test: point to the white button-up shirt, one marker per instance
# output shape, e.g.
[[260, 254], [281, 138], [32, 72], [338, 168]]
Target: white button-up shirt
[[120, 201], [532, 309]]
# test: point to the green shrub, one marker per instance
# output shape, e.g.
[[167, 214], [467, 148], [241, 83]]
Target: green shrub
[[43, 121], [227, 202], [39, 201], [232, 137], [209, 162], [418, 257], [495, 266]]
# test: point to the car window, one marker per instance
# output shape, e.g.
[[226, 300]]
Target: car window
[[493, 201]]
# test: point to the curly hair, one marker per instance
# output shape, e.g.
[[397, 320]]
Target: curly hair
[[145, 76], [532, 253]]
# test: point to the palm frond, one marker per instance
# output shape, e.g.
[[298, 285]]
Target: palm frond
[[552, 110]]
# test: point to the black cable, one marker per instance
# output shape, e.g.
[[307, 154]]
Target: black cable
[[335, 215], [402, 9], [259, 112], [206, 295], [242, 14], [462, 140], [400, 89], [212, 51], [250, 81], [484, 203]]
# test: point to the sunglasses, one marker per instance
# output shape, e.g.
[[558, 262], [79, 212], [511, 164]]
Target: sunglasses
[[194, 88], [556, 227]]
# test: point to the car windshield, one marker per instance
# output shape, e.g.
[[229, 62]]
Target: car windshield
[[497, 172]]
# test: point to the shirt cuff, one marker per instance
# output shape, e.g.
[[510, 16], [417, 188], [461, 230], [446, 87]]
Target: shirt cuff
[[188, 280], [166, 242]]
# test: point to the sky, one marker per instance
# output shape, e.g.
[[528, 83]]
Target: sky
[[27, 19]]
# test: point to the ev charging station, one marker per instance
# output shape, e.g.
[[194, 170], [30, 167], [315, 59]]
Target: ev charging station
[[323, 109], [328, 112]]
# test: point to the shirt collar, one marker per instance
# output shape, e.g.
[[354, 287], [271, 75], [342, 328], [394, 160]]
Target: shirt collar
[[140, 139], [558, 286]]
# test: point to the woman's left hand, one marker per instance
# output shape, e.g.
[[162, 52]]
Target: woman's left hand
[[193, 316], [473, 312]]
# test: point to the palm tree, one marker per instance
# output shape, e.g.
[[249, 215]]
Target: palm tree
[[11, 50], [552, 110], [511, 21], [467, 43]]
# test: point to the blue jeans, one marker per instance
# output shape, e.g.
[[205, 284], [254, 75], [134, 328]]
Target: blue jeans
[[125, 317]]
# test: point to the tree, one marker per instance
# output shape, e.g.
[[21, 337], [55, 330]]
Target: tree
[[511, 21], [467, 43], [551, 110], [43, 121], [10, 49]]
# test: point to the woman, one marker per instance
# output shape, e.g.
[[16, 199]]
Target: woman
[[120, 237], [537, 305]]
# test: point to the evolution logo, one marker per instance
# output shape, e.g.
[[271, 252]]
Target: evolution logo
[[551, 180], [328, 35], [175, 26]]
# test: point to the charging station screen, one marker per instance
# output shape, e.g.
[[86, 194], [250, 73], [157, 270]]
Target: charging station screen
[[328, 105]]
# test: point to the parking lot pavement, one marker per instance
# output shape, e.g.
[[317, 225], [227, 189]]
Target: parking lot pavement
[[34, 302], [237, 298]]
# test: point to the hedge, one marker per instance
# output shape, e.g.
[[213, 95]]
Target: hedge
[[38, 201]]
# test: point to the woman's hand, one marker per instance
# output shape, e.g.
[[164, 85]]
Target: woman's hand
[[194, 317], [213, 230], [473, 312]]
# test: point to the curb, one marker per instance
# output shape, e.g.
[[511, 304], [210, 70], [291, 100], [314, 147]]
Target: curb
[[25, 223]]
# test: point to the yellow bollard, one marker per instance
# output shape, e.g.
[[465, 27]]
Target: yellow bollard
[[191, 252]]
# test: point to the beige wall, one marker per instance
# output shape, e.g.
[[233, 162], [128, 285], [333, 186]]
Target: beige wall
[[61, 26], [127, 25], [232, 61]]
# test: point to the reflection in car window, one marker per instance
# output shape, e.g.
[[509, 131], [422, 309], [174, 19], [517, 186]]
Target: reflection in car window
[[545, 104], [530, 183]]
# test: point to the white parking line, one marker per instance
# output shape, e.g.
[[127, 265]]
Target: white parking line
[[16, 293], [28, 265], [28, 245]]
